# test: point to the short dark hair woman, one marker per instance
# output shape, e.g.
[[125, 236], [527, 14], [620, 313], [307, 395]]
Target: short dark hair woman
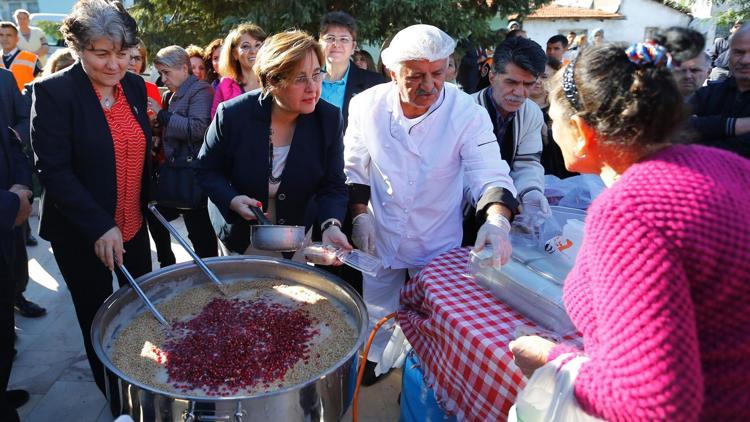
[[661, 286], [342, 80], [92, 136], [278, 148]]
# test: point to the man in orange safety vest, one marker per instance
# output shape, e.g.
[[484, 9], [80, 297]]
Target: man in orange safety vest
[[24, 64]]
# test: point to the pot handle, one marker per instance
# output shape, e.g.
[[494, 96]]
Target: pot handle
[[195, 416], [262, 219]]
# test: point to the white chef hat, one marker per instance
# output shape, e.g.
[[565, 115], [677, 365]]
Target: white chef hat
[[417, 42]]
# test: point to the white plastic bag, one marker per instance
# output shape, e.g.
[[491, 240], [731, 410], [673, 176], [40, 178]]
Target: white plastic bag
[[574, 192], [549, 395]]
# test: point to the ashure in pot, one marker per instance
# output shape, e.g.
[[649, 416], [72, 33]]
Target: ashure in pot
[[324, 396]]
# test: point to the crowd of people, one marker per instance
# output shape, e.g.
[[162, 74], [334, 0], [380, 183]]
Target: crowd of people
[[405, 159]]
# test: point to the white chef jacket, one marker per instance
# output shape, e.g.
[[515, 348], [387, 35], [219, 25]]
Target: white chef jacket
[[416, 176]]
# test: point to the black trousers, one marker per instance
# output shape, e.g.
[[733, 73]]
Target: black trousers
[[199, 228], [7, 327], [21, 262], [90, 282]]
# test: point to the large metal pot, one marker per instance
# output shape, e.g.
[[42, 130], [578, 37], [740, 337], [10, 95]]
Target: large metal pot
[[324, 398]]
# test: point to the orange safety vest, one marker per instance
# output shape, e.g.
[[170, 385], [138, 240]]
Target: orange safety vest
[[22, 67]]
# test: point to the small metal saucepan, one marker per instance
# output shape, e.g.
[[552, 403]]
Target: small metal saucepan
[[267, 236]]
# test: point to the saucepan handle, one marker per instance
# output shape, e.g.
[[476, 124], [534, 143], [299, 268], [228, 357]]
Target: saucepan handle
[[262, 219]]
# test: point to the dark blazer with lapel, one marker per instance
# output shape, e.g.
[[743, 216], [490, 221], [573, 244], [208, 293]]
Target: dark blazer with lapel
[[358, 81], [234, 161], [14, 106], [14, 169], [75, 153]]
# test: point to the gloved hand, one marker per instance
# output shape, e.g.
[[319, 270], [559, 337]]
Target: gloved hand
[[334, 236], [535, 199], [363, 232], [495, 231], [530, 353]]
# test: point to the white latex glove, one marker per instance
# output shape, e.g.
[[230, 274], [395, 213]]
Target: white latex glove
[[334, 236], [536, 199], [363, 232], [495, 231], [530, 353]]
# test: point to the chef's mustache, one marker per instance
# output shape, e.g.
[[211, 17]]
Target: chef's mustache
[[421, 92], [515, 98]]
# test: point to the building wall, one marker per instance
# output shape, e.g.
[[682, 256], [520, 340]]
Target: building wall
[[640, 16], [7, 7]]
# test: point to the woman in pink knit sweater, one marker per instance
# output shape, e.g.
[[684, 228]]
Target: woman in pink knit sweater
[[661, 287]]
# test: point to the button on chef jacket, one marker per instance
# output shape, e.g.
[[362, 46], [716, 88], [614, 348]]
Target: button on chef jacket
[[415, 169]]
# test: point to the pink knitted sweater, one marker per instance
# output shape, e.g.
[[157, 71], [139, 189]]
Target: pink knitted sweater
[[225, 90], [661, 291]]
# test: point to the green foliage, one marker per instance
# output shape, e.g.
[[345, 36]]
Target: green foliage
[[183, 22], [51, 30], [741, 11]]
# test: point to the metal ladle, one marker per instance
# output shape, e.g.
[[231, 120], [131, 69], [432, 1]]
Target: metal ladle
[[143, 296], [198, 261]]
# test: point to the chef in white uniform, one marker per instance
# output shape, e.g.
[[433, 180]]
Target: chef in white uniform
[[407, 149]]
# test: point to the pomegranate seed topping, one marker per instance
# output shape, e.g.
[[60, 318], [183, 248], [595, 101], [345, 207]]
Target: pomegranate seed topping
[[235, 344]]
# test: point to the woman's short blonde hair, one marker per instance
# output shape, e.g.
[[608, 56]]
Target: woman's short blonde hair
[[281, 55], [228, 65], [194, 51]]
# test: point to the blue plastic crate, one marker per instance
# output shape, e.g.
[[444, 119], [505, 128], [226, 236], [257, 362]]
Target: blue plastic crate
[[418, 402]]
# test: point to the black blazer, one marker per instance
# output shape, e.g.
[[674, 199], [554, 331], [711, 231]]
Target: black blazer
[[358, 81], [75, 153], [14, 169], [234, 161], [14, 106]]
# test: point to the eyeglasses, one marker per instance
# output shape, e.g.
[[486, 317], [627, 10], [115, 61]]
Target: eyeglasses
[[136, 59], [314, 79], [331, 39]]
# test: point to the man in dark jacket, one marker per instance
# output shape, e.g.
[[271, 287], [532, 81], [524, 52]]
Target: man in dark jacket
[[15, 109], [720, 55], [721, 111], [15, 207]]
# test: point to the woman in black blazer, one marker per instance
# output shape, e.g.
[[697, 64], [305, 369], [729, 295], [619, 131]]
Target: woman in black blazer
[[91, 136], [278, 148]]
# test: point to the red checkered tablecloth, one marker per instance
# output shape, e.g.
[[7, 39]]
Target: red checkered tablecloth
[[461, 333]]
